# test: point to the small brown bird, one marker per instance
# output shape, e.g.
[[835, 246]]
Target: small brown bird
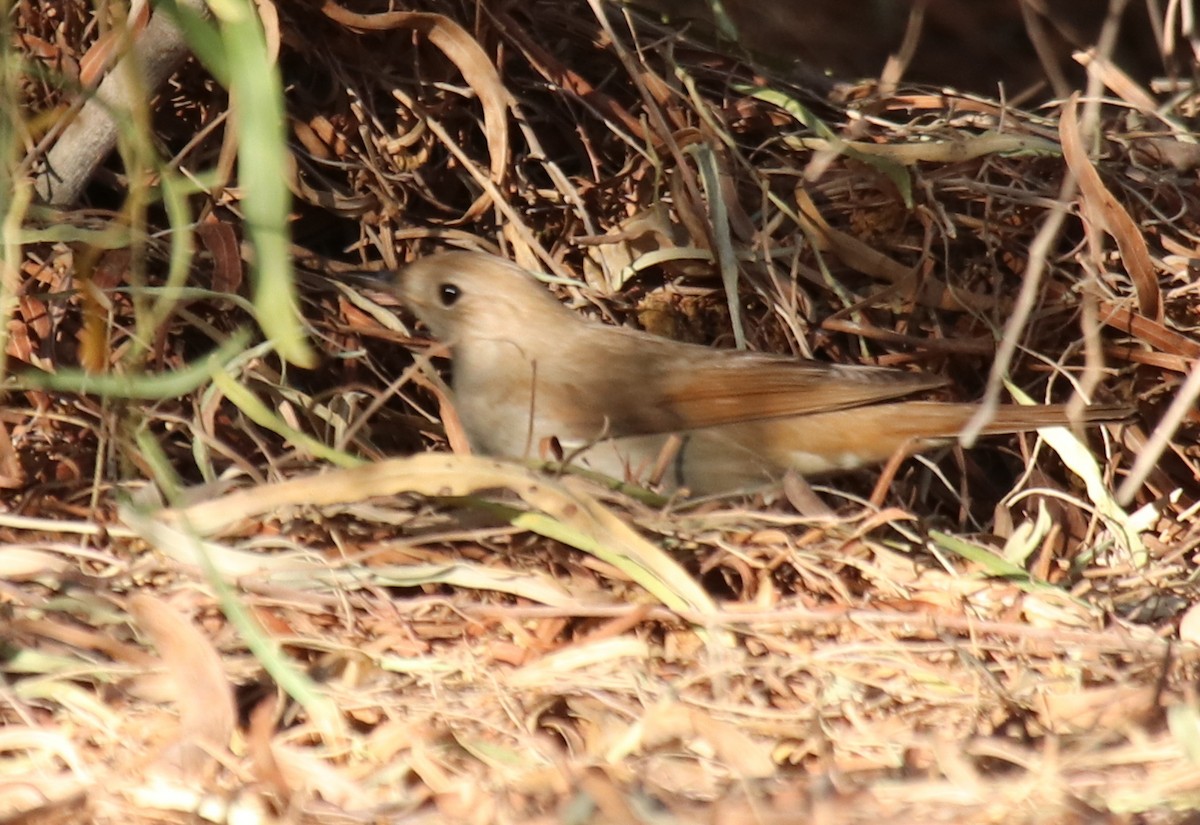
[[527, 370]]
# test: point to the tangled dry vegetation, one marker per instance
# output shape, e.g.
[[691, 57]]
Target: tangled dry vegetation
[[202, 622]]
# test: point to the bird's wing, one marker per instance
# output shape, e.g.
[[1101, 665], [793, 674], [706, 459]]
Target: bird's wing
[[685, 390]]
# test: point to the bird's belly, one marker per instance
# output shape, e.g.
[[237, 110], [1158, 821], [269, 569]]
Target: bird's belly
[[703, 461], [721, 459]]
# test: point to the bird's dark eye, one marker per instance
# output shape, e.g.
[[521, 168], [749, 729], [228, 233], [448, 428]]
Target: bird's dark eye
[[448, 294]]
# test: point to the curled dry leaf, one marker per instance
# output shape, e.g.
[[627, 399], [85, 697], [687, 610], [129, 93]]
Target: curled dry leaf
[[1106, 213], [12, 475], [207, 714], [220, 239], [465, 53], [268, 15], [1096, 709], [1189, 626], [23, 563]]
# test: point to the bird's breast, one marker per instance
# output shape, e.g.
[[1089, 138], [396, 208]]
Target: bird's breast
[[509, 403]]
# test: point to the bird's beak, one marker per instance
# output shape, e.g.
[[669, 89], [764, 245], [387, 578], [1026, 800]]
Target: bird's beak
[[383, 280]]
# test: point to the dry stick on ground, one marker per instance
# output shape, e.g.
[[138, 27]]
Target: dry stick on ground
[[1160, 438], [159, 50], [1040, 249], [1022, 308]]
